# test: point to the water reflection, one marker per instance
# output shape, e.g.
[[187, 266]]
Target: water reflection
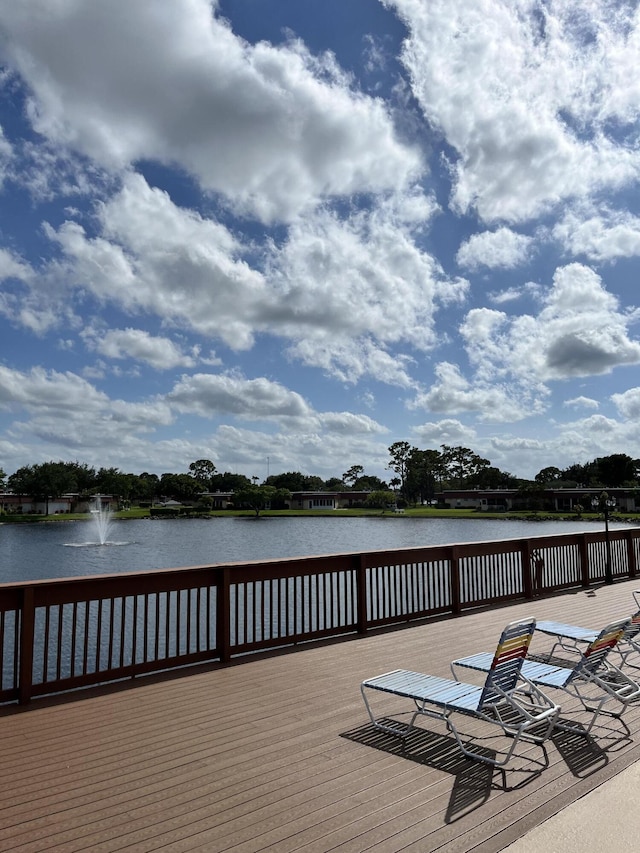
[[36, 551]]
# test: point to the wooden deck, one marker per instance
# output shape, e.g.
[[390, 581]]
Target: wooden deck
[[277, 754]]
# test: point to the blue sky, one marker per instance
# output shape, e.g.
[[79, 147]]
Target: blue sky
[[283, 235]]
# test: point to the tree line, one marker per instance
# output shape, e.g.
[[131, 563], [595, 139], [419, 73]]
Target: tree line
[[417, 476]]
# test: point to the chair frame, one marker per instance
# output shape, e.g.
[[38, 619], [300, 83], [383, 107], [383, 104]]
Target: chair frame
[[513, 703], [592, 670]]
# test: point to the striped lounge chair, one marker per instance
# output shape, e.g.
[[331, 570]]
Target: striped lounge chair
[[593, 680], [568, 636], [520, 709]]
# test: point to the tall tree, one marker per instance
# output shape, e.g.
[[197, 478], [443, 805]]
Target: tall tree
[[400, 452], [462, 464], [203, 470], [425, 469], [349, 477]]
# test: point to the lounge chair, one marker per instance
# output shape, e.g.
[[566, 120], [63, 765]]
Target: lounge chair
[[568, 636], [593, 680], [519, 708]]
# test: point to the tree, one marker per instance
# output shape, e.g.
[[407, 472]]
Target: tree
[[494, 478], [44, 482], [400, 452], [616, 470], [258, 498], [462, 464], [2, 479], [369, 483], [551, 474], [349, 477], [182, 487], [381, 499], [112, 481], [294, 481], [228, 482], [334, 484], [146, 487], [203, 470], [423, 469]]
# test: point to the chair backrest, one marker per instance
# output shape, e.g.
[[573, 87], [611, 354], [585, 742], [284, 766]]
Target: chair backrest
[[596, 653], [632, 628], [512, 649]]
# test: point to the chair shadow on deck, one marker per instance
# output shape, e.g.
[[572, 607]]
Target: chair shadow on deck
[[473, 781], [586, 753]]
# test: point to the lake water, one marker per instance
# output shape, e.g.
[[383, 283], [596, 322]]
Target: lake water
[[69, 549]]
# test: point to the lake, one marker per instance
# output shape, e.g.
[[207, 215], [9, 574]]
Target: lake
[[69, 549]]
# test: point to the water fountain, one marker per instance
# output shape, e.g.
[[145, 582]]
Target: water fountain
[[102, 517]]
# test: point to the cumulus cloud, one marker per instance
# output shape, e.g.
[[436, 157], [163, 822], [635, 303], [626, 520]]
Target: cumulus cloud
[[159, 352], [582, 402], [447, 431], [599, 236], [451, 393], [156, 258], [212, 395], [500, 249], [628, 403], [526, 95], [66, 411], [272, 128], [342, 290], [349, 288], [579, 331]]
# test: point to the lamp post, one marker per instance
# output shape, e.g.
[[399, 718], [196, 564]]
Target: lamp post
[[605, 504]]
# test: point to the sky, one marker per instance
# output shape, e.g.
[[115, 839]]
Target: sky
[[283, 235]]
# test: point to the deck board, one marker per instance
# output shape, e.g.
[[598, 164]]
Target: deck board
[[277, 754]]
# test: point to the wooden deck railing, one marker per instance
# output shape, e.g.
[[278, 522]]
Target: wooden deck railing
[[64, 634]]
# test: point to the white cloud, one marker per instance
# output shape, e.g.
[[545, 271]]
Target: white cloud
[[160, 353], [273, 128], [526, 95], [582, 402], [347, 289], [628, 403], [580, 331], [212, 395], [452, 394], [447, 431], [12, 266], [343, 291], [65, 412], [603, 236], [500, 249], [156, 258]]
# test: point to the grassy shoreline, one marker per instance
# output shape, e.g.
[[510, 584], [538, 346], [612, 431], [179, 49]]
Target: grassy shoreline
[[418, 512]]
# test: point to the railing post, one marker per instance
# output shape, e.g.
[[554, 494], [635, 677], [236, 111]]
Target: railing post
[[584, 561], [631, 554], [223, 616], [361, 595], [525, 559], [454, 569], [27, 630]]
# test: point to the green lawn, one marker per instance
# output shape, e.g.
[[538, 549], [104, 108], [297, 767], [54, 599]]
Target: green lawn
[[417, 512]]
